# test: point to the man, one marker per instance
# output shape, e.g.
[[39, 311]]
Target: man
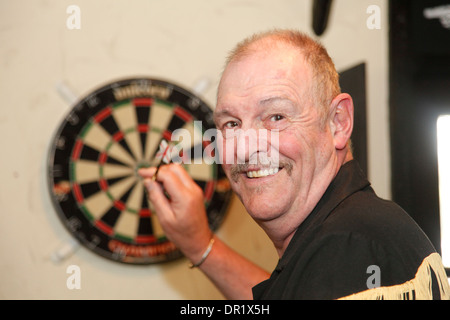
[[326, 223]]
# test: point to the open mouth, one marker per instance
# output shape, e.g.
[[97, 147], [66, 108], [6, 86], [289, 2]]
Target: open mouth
[[256, 171], [262, 172]]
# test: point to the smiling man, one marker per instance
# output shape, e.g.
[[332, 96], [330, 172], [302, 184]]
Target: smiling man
[[314, 203], [268, 85]]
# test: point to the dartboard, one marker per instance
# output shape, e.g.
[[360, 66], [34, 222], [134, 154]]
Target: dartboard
[[97, 151]]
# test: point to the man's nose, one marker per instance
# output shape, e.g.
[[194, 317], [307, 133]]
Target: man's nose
[[250, 143]]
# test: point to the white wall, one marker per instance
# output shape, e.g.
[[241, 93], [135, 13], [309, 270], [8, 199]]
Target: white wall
[[182, 41]]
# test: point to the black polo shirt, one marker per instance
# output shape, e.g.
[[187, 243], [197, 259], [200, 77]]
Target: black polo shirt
[[356, 245]]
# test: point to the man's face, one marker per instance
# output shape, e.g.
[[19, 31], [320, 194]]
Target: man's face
[[270, 92]]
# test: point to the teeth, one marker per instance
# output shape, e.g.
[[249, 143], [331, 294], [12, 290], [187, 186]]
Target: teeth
[[262, 173]]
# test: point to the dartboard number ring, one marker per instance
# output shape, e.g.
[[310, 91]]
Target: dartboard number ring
[[95, 156]]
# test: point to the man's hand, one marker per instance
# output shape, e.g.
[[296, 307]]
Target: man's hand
[[182, 214]]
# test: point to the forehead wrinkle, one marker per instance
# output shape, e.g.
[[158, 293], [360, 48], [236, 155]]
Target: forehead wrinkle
[[276, 100]]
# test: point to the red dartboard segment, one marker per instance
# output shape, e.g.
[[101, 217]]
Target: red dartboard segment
[[118, 136], [167, 135], [77, 149], [143, 128], [145, 239], [143, 102], [102, 115], [104, 227], [145, 213], [103, 184], [119, 205], [97, 152], [78, 193], [183, 114], [102, 158]]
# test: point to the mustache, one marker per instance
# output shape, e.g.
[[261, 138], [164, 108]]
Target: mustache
[[237, 169]]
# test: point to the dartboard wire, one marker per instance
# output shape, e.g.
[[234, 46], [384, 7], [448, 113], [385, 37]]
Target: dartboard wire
[[160, 115], [127, 224], [136, 214], [102, 197], [189, 127], [104, 154], [178, 111], [166, 135], [140, 126], [106, 120], [153, 233], [124, 116], [98, 138]]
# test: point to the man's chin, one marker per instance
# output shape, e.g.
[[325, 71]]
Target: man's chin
[[260, 211]]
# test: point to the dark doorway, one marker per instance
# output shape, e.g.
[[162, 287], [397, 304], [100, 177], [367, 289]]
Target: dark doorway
[[419, 92]]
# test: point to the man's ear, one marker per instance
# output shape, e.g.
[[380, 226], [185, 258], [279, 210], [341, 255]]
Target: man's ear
[[341, 119]]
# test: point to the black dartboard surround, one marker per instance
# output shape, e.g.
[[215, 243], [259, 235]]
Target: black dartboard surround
[[96, 152]]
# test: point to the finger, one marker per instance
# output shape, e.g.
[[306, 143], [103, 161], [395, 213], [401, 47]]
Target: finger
[[147, 172], [173, 181], [160, 202], [183, 175]]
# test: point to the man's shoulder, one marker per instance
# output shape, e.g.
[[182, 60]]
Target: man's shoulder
[[365, 213], [367, 223]]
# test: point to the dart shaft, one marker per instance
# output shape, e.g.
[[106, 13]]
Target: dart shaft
[[164, 160], [157, 169]]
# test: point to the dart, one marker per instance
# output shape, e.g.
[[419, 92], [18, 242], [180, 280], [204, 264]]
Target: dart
[[163, 155]]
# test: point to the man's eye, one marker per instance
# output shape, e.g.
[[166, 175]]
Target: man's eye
[[231, 125], [276, 117]]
